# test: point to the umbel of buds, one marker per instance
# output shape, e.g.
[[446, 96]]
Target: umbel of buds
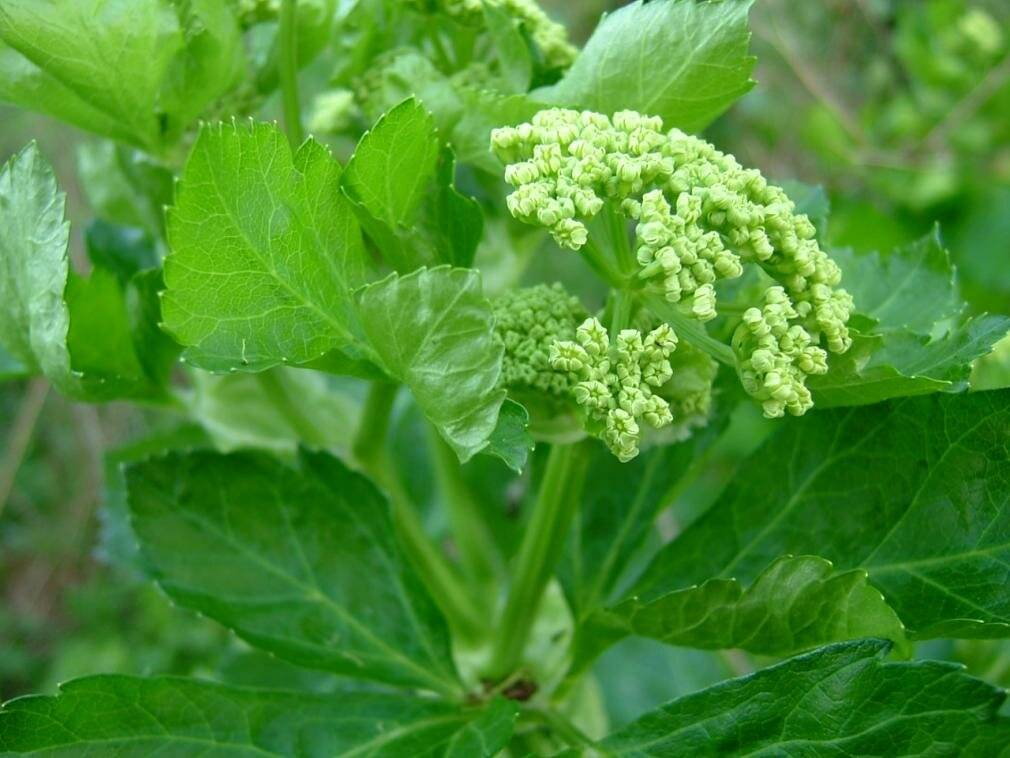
[[615, 384], [699, 218]]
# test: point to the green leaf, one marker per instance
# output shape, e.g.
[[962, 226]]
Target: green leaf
[[131, 716], [123, 250], [912, 491], [683, 60], [433, 331], [793, 605], [911, 336], [11, 367], [511, 440], [300, 562], [839, 700], [402, 185], [264, 252], [393, 163], [617, 513], [93, 338]]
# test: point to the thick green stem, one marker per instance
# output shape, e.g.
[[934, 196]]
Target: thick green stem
[[473, 540], [372, 454], [621, 305], [557, 501], [302, 423], [288, 37]]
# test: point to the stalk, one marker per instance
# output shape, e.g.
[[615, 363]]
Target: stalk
[[556, 504], [473, 540], [288, 34], [370, 450], [689, 329]]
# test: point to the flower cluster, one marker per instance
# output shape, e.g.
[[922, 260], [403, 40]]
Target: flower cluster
[[776, 357], [550, 37], [699, 218], [615, 385], [528, 322]]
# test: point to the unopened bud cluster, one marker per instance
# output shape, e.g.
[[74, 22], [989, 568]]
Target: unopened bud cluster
[[528, 322], [700, 217], [777, 356], [550, 37], [615, 384]]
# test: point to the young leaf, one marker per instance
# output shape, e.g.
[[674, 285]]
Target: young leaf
[[912, 491], [794, 604], [299, 562], [433, 331], [839, 700], [683, 60], [124, 715], [912, 336], [264, 252], [402, 184], [393, 163]]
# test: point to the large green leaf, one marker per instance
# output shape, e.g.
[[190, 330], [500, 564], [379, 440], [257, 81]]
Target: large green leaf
[[684, 60], [130, 716], [913, 491], [911, 336], [402, 183], [433, 330], [795, 604], [264, 252], [301, 562], [839, 700], [95, 338]]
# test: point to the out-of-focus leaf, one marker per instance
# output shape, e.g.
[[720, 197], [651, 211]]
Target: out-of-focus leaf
[[839, 700], [131, 716], [912, 491], [683, 60], [238, 411], [82, 333], [264, 252], [300, 562], [433, 331]]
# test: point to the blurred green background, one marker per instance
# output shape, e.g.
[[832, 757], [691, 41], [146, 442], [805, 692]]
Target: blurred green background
[[900, 109]]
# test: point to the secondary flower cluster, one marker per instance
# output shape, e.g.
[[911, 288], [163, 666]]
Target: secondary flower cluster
[[528, 322], [615, 384], [700, 216], [776, 357], [550, 37]]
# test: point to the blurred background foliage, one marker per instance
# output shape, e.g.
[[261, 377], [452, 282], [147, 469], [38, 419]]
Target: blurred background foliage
[[899, 108]]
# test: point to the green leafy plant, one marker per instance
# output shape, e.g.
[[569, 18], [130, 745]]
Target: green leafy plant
[[437, 378]]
